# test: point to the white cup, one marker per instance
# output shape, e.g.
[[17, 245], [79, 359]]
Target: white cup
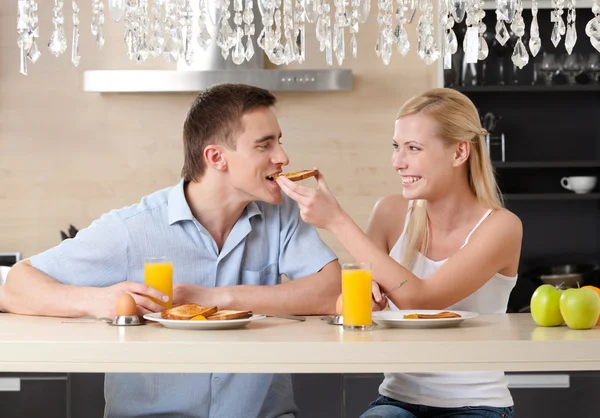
[[579, 184]]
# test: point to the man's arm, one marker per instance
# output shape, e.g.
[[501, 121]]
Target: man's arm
[[81, 276], [311, 295], [29, 291]]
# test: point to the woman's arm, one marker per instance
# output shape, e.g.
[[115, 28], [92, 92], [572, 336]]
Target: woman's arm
[[495, 246]]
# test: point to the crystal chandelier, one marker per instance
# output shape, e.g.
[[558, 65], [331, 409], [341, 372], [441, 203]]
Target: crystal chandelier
[[169, 28]]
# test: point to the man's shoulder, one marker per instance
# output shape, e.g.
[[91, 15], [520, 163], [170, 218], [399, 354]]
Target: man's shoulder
[[149, 204]]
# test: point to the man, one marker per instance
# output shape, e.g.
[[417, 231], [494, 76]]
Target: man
[[230, 235]]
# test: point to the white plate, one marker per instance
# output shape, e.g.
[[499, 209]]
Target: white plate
[[396, 319], [202, 325]]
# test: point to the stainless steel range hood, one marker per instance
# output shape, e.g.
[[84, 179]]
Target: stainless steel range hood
[[210, 68]]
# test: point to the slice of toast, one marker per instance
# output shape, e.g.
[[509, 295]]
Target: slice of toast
[[187, 311], [229, 314], [298, 175], [441, 315]]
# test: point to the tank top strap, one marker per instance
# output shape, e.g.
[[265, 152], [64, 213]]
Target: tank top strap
[[485, 215]]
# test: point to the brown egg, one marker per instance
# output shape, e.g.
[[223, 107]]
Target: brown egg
[[338, 305], [126, 305]]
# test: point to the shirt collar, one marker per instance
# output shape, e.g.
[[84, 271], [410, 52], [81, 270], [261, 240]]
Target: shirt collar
[[179, 210]]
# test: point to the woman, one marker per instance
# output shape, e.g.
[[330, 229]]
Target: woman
[[449, 227]]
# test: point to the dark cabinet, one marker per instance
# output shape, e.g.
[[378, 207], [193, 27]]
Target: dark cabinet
[[33, 395], [86, 393]]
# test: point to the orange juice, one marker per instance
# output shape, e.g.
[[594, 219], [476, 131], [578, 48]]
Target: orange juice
[[356, 296], [159, 275]]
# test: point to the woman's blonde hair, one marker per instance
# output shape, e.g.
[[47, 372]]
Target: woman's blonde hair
[[458, 120]]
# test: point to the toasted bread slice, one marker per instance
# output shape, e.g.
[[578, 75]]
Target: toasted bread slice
[[444, 314], [298, 175], [187, 311], [229, 314]]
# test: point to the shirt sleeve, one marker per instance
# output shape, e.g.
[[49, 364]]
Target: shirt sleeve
[[97, 256], [302, 252]]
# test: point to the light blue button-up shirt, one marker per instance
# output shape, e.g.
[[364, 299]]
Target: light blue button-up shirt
[[267, 241]]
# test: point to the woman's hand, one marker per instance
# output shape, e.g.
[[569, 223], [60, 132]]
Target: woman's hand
[[318, 206]]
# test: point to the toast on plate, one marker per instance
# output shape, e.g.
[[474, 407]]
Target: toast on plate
[[444, 314], [227, 314], [187, 311], [298, 175]]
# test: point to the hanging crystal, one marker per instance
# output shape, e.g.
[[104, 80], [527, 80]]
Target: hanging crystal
[[157, 39], [97, 25], [458, 9], [571, 36], [238, 54], [520, 57], [34, 53], [27, 33], [558, 30], [535, 43], [592, 28], [300, 31], [186, 15], [290, 49], [449, 41], [172, 47], [136, 30], [203, 37], [386, 35], [248, 18], [323, 31], [502, 13], [58, 41], [340, 22], [426, 47], [225, 38], [24, 34], [75, 57], [400, 34], [474, 22], [116, 9]]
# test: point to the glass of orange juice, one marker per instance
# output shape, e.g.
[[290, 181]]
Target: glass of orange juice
[[158, 273], [356, 296]]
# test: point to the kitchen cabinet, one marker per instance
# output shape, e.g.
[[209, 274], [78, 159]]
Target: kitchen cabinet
[[550, 131], [39, 395]]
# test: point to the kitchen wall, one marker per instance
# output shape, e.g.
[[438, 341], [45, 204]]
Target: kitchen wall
[[67, 156]]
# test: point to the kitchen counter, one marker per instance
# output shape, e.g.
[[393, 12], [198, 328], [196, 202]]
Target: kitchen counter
[[509, 342]]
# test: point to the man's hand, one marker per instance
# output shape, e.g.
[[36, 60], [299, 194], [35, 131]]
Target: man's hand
[[379, 302], [104, 299]]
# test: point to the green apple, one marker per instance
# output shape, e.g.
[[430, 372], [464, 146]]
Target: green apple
[[580, 308], [545, 306]]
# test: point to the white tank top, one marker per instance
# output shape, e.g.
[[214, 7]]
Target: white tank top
[[453, 389]]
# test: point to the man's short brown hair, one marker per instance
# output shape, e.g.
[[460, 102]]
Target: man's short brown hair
[[215, 118]]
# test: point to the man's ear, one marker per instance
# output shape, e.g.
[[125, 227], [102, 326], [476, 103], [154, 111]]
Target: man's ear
[[462, 152], [213, 154]]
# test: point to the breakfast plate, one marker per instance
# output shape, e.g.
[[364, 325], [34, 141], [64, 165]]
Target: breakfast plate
[[202, 325], [396, 319]]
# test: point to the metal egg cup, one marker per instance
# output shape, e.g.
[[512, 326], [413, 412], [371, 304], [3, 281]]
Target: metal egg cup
[[127, 321]]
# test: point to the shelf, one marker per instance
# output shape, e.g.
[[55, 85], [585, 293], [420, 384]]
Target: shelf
[[507, 88], [550, 196], [546, 164]]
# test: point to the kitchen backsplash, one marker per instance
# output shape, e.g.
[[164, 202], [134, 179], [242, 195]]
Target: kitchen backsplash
[[67, 156]]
